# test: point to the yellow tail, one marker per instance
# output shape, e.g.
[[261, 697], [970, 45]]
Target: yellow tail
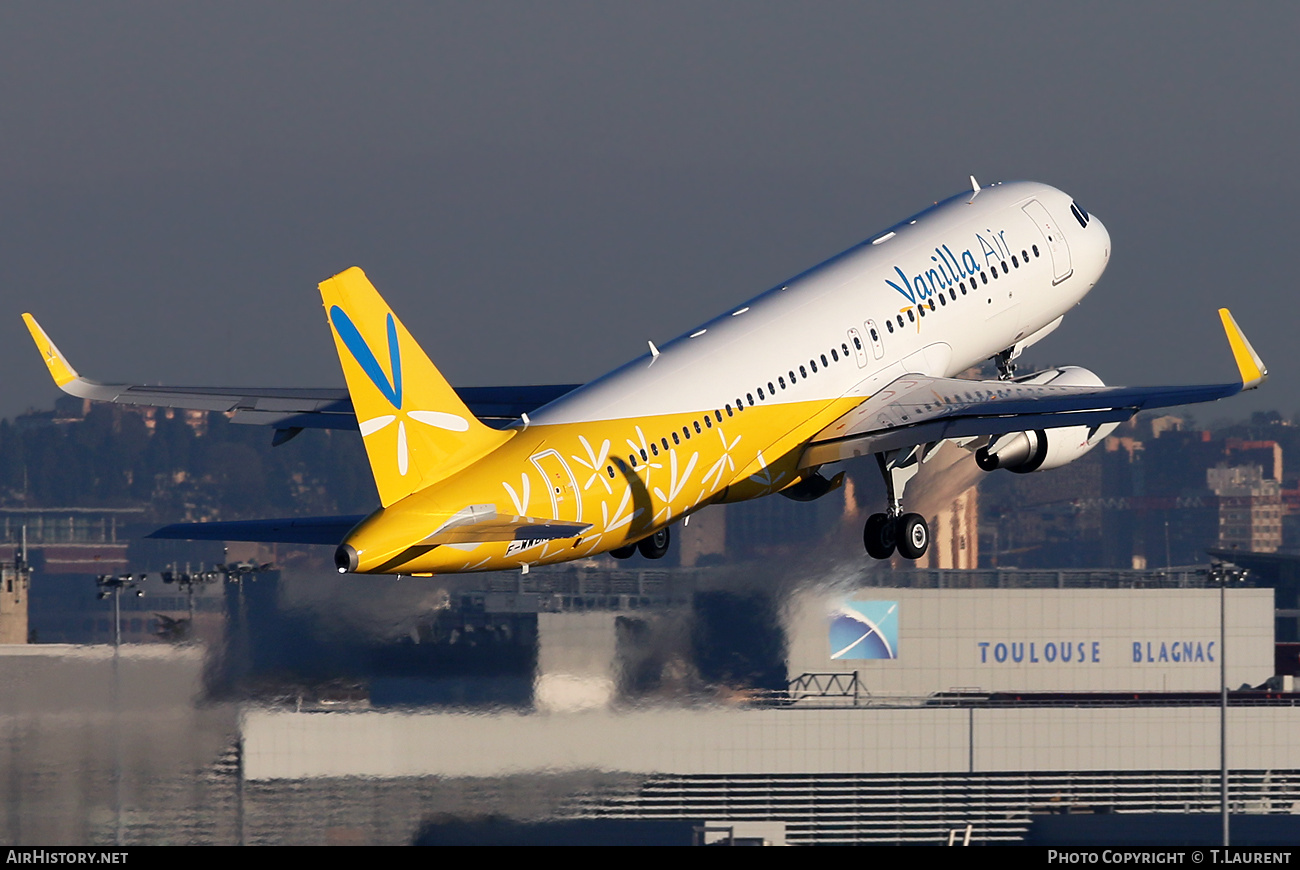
[[416, 429]]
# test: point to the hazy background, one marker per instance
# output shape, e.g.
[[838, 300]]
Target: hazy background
[[539, 188]]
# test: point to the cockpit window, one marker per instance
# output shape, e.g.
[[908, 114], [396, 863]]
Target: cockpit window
[[1079, 214]]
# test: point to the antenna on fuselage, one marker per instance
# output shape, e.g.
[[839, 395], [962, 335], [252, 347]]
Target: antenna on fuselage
[[654, 351], [975, 190]]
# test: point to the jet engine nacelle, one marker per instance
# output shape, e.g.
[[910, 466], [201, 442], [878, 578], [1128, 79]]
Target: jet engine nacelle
[[1041, 449]]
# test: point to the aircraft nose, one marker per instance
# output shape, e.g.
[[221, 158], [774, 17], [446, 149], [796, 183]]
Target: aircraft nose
[[1103, 239]]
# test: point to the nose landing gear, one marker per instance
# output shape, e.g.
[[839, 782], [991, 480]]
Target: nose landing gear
[[907, 533]]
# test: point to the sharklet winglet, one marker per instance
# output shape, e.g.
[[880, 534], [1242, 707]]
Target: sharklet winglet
[[60, 369], [1249, 365]]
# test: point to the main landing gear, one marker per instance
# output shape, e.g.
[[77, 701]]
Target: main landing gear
[[909, 534], [653, 547]]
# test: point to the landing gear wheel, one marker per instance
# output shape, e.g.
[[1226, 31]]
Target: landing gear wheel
[[879, 536], [913, 536], [623, 552], [655, 546]]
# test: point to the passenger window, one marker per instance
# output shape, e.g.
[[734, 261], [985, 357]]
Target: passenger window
[[760, 394], [687, 433], [750, 396], [857, 343], [875, 335], [792, 377], [952, 294], [812, 364], [729, 411], [803, 371], [834, 355], [781, 381], [718, 415], [676, 440], [911, 318], [708, 422], [771, 389], [644, 457], [1014, 261], [654, 448], [889, 324], [665, 442], [610, 470], [1035, 250]]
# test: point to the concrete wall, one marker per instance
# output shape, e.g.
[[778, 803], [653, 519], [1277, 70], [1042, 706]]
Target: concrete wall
[[287, 745]]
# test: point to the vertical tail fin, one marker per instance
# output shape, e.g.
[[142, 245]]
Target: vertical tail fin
[[416, 429]]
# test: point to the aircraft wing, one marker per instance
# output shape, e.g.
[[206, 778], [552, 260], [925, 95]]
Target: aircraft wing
[[286, 409], [916, 409]]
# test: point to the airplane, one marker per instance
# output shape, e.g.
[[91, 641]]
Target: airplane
[[857, 356]]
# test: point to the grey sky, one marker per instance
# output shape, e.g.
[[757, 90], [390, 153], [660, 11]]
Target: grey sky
[[539, 188]]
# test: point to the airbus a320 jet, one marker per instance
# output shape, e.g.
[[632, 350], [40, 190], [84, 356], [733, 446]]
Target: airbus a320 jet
[[854, 357]]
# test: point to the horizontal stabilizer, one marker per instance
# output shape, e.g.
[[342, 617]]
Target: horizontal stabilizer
[[293, 530], [481, 524]]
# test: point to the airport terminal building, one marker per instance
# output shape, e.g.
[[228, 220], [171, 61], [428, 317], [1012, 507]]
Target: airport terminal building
[[912, 715], [885, 708]]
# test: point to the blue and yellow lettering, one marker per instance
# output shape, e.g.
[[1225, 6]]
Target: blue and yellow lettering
[[943, 269], [1096, 651], [1018, 655], [935, 279], [1032, 657], [1209, 650], [909, 294], [1200, 652], [1164, 653], [958, 271], [1000, 652], [1067, 652], [1006, 249], [1187, 650], [968, 262], [984, 650], [1137, 650], [922, 291], [1174, 651], [990, 255], [1049, 651]]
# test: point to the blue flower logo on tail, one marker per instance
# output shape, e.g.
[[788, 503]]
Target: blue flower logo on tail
[[391, 390], [365, 358]]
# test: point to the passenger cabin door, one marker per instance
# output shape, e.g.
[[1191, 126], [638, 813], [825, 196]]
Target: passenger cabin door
[[1056, 246], [560, 484], [877, 343]]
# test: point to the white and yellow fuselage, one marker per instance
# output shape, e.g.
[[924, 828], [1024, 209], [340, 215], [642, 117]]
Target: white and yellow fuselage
[[721, 413]]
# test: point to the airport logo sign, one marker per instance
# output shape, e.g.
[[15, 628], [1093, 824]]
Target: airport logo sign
[[864, 630]]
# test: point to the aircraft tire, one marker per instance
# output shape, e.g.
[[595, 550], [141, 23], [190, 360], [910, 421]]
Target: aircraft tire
[[624, 552], [879, 536], [655, 546], [913, 536]]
